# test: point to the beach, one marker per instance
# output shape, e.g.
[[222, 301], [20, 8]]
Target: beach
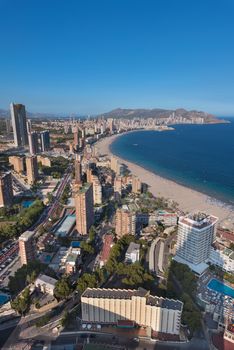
[[188, 199]]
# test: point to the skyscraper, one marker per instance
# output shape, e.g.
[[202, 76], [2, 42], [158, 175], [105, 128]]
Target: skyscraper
[[125, 222], [33, 142], [78, 170], [76, 139], [6, 190], [27, 249], [84, 208], [136, 185], [18, 117], [45, 140], [32, 169], [196, 233]]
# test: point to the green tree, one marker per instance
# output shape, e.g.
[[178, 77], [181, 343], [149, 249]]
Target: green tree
[[63, 288], [21, 303]]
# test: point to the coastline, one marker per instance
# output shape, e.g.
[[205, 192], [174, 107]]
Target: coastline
[[189, 200]]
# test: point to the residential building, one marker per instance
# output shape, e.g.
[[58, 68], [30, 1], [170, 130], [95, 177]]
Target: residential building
[[76, 139], [84, 208], [33, 142], [45, 161], [45, 284], [115, 166], [196, 233], [125, 223], [27, 249], [6, 189], [229, 335], [166, 218], [109, 306], [133, 253], [18, 163], [118, 184], [45, 141], [78, 170], [31, 169], [71, 263], [222, 258], [18, 118], [97, 190], [136, 185]]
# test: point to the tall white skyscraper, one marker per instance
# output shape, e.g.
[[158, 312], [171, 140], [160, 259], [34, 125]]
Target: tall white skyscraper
[[196, 233], [18, 117]]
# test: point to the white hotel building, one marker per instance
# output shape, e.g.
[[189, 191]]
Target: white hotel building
[[108, 306], [196, 233]]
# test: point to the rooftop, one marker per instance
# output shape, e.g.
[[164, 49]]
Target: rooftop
[[46, 279], [129, 293], [66, 225], [84, 188], [26, 235], [198, 220], [132, 247]]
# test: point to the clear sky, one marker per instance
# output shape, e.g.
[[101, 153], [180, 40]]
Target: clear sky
[[90, 56]]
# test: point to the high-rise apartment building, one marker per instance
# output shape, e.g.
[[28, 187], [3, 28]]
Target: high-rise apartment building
[[118, 184], [45, 140], [6, 189], [31, 169], [18, 118], [27, 249], [136, 185], [33, 142], [196, 233], [125, 222], [84, 208], [113, 306], [97, 190], [115, 166], [18, 163], [78, 170], [76, 143]]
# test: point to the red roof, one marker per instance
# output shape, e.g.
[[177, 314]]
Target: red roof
[[108, 240]]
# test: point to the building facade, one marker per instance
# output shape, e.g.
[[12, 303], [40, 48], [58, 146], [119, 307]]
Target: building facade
[[108, 306], [32, 169], [6, 189], [133, 253], [223, 259], [196, 233], [45, 141], [18, 163], [27, 249], [18, 118], [84, 208], [33, 142], [125, 222], [136, 185]]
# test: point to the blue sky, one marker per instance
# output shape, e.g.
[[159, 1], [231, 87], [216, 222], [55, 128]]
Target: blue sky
[[91, 56]]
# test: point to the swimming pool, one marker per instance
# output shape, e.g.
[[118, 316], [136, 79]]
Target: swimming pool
[[220, 287], [27, 204], [4, 298]]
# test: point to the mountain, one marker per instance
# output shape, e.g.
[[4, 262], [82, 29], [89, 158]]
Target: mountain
[[159, 113]]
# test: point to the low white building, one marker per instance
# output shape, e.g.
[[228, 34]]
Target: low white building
[[46, 284], [109, 306], [133, 253], [222, 258]]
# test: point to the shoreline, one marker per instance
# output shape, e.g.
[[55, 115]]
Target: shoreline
[[188, 199]]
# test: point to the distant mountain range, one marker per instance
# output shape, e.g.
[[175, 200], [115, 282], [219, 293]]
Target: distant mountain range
[[159, 113], [129, 114]]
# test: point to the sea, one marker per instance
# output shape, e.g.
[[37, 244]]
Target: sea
[[197, 156]]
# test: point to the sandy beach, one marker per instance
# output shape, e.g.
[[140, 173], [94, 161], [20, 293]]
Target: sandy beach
[[188, 199]]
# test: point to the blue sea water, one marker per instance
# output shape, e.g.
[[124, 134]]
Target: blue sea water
[[197, 156], [220, 287]]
